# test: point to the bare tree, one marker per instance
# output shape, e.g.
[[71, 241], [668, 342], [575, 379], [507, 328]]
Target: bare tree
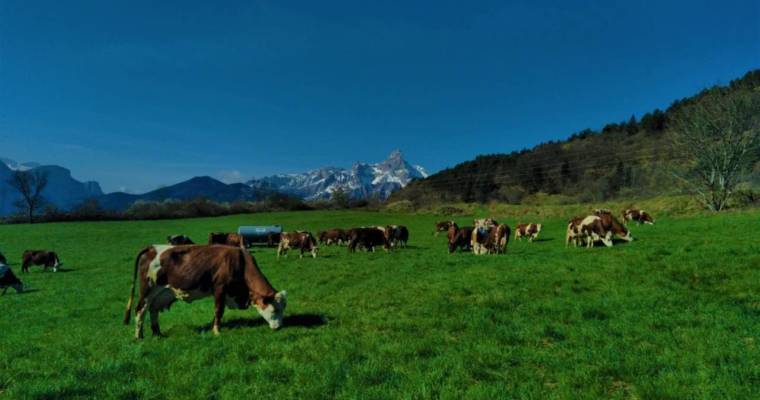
[[30, 185], [718, 134]]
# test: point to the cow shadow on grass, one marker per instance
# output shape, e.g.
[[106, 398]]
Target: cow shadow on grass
[[308, 321], [543, 240]]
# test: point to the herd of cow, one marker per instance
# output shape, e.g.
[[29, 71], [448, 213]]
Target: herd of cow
[[225, 269]]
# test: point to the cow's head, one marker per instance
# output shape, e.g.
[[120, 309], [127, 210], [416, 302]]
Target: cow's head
[[646, 218], [273, 311]]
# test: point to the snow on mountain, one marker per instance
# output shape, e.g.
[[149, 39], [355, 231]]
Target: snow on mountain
[[17, 166], [362, 180]]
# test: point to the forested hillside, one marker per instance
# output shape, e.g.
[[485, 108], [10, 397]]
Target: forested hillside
[[633, 158]]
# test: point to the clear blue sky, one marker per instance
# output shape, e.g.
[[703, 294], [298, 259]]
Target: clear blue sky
[[137, 94]]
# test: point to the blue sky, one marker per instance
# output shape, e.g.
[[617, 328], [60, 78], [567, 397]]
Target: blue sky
[[139, 94]]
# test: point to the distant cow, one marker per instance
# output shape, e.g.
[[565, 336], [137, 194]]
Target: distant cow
[[368, 238], [397, 235], [48, 259], [610, 223], [227, 239], [8, 279], [303, 241], [442, 226], [530, 231], [189, 273], [640, 216], [459, 238], [178, 240], [480, 233], [333, 236], [592, 230], [273, 239], [497, 239]]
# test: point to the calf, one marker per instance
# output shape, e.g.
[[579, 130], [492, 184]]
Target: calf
[[332, 236], [302, 241], [397, 235], [189, 273], [227, 239], [8, 279], [459, 238], [177, 240], [640, 216], [442, 226], [530, 231], [45, 258], [368, 238]]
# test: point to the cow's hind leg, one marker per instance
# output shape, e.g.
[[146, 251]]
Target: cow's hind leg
[[218, 310], [142, 306], [154, 326]]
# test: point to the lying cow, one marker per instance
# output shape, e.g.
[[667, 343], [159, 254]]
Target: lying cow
[[397, 235], [189, 273], [8, 279], [592, 230], [459, 238], [368, 238], [333, 236], [640, 216], [610, 223], [227, 239], [530, 231], [442, 226], [178, 240], [48, 259], [303, 241]]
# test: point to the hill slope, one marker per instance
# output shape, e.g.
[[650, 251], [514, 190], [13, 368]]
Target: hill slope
[[629, 158]]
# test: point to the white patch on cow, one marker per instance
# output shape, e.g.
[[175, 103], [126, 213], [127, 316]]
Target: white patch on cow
[[273, 312], [155, 264]]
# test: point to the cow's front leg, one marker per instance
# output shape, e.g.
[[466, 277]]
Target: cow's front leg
[[140, 317], [154, 326], [218, 310]]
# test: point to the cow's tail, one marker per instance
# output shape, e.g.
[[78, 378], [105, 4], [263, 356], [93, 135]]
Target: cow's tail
[[128, 312]]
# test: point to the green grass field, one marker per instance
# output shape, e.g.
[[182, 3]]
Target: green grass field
[[674, 314]]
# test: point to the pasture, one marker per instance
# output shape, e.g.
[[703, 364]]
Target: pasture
[[673, 315]]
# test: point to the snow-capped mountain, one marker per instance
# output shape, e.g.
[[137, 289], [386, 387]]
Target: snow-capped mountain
[[360, 181], [17, 166]]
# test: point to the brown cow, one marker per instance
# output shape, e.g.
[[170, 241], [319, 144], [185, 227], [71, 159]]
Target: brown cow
[[368, 238], [497, 239], [303, 241], [459, 238], [189, 273], [8, 279], [227, 239], [573, 231], [530, 231], [611, 223], [442, 226], [480, 233], [640, 216], [178, 240], [333, 236], [397, 235], [40, 257], [592, 229]]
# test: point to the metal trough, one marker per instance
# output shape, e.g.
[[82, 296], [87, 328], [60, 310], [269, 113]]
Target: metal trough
[[258, 234]]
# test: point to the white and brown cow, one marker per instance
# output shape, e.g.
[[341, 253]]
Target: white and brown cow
[[188, 273], [530, 231], [640, 216], [573, 231], [611, 223], [397, 235], [8, 279], [48, 259], [443, 226], [303, 241], [591, 230], [481, 231]]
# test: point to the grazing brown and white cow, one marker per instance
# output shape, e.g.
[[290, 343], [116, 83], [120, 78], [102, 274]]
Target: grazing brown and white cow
[[397, 235], [498, 238], [611, 223], [189, 273], [48, 259], [480, 233], [459, 238], [303, 241], [227, 239], [442, 226], [333, 236], [640, 216], [178, 240], [8, 279], [369, 238], [592, 230], [530, 231]]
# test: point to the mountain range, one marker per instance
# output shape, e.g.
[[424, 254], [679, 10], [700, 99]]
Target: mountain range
[[363, 180]]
